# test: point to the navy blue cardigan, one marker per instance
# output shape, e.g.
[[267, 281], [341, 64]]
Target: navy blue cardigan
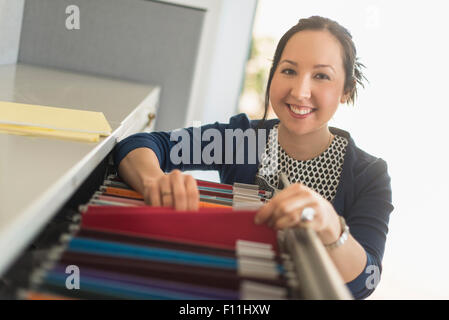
[[363, 195]]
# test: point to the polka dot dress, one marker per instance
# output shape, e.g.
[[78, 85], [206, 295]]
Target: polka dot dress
[[321, 173]]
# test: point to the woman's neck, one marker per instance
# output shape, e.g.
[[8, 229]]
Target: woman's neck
[[307, 146]]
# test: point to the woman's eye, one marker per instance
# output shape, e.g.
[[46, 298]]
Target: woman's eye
[[288, 72], [322, 76]]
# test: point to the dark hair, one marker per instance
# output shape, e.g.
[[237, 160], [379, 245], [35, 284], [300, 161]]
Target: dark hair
[[352, 67]]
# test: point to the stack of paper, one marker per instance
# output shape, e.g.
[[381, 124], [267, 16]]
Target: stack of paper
[[33, 120]]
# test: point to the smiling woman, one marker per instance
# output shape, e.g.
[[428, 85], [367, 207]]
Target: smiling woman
[[348, 190], [315, 69]]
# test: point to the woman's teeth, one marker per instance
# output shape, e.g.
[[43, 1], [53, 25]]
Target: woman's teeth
[[300, 110]]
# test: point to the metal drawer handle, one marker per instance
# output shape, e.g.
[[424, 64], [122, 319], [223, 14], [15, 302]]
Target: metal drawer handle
[[151, 117]]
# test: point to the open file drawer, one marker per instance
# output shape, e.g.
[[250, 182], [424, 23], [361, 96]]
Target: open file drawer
[[314, 275]]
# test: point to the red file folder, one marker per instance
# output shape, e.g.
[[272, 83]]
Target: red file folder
[[210, 226]]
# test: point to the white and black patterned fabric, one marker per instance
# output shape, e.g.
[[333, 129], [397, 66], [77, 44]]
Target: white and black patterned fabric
[[322, 173]]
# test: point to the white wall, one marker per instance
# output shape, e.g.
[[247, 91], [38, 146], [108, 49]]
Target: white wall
[[11, 12], [231, 51]]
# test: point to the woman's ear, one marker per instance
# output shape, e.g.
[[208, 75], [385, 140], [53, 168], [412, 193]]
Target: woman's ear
[[344, 98], [347, 96]]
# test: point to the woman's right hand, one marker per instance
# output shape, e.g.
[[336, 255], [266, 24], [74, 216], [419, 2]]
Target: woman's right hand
[[173, 189]]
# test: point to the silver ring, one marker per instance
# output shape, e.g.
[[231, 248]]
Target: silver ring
[[166, 193], [308, 214]]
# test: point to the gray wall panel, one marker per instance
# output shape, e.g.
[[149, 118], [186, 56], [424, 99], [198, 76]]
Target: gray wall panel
[[137, 40]]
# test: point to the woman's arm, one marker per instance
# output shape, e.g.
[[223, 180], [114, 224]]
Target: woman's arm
[[350, 258], [139, 168], [143, 158]]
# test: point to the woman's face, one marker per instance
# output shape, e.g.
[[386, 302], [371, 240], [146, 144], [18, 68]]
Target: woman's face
[[307, 86]]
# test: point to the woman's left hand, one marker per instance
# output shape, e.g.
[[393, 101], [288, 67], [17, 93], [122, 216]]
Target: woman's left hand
[[285, 209]]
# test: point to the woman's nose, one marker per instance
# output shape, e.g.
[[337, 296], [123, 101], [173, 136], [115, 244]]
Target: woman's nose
[[301, 88]]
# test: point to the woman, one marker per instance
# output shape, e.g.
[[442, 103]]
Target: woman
[[344, 192]]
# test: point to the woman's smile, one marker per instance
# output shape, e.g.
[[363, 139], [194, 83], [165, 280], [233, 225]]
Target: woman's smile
[[299, 112]]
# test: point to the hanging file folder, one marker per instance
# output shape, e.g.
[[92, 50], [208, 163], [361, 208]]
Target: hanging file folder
[[213, 226]]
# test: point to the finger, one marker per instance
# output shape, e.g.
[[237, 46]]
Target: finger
[[264, 213], [193, 194], [179, 192], [294, 197], [267, 210], [293, 219], [166, 192], [317, 221], [288, 221], [146, 195], [153, 194], [293, 205]]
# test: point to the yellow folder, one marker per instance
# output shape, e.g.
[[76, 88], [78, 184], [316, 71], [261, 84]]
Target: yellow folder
[[25, 119]]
